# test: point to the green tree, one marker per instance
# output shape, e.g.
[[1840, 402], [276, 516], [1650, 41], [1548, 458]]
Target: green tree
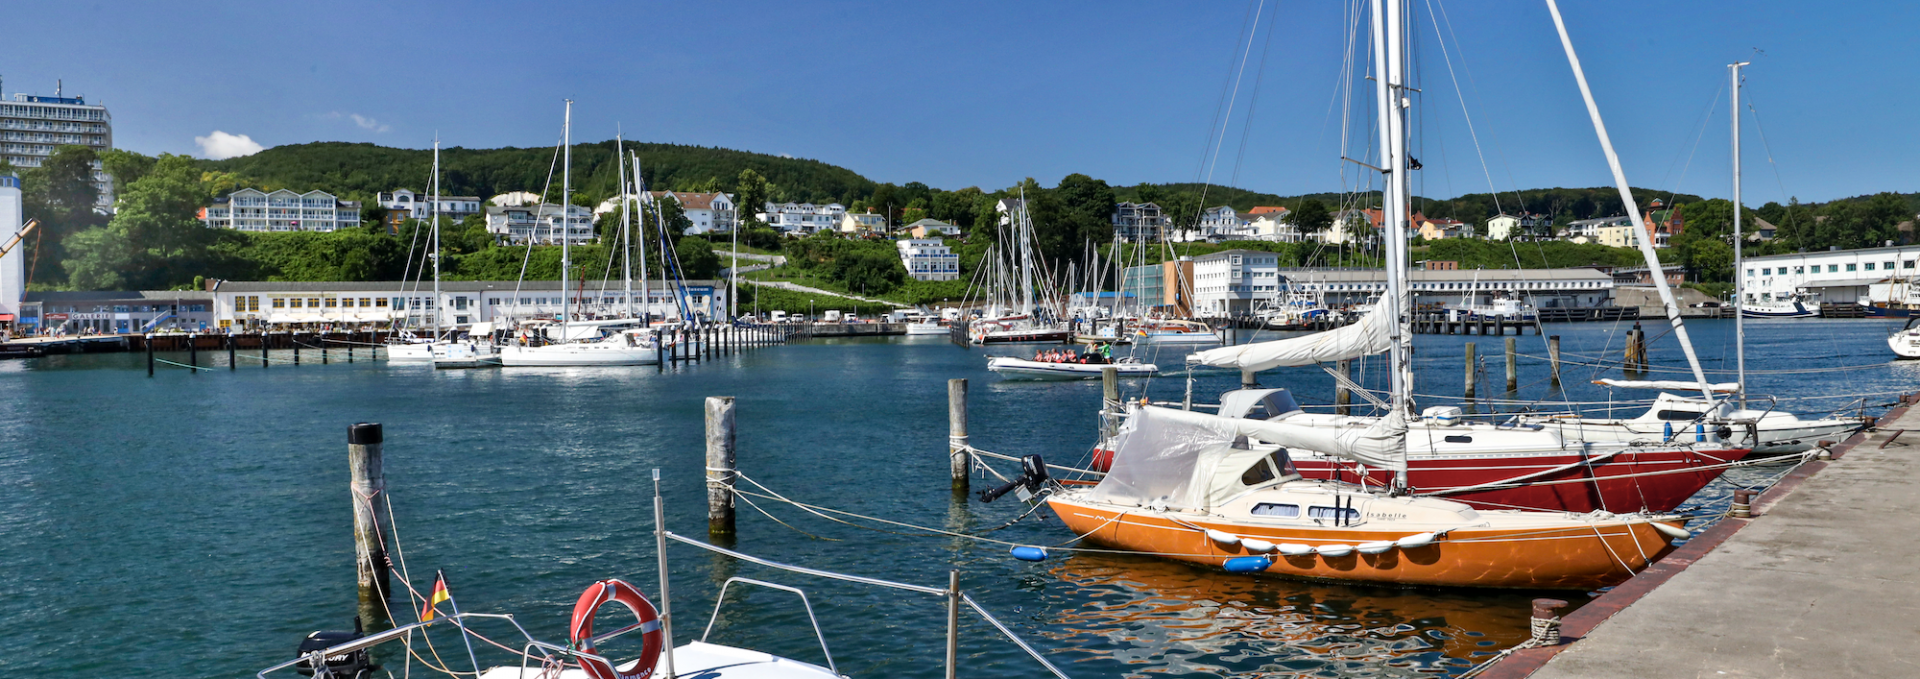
[[751, 193], [1311, 217], [155, 240], [126, 167], [696, 258], [61, 194]]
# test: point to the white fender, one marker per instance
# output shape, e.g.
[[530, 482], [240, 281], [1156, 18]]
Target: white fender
[[1290, 549], [1375, 547], [1415, 541], [1256, 546], [1674, 532], [1225, 539], [1335, 550]]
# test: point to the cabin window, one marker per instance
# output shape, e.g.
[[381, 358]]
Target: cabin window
[[1459, 439], [1337, 513], [1678, 415], [1257, 474], [1277, 510]]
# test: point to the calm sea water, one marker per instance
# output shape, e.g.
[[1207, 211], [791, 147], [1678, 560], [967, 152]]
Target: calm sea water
[[198, 525]]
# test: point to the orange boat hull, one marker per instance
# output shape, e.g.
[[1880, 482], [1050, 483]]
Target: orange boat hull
[[1585, 557]]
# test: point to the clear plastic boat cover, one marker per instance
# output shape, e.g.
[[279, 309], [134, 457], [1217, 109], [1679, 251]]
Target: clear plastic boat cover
[[1365, 337], [1186, 460]]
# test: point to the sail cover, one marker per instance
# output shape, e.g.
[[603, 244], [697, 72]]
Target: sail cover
[[1668, 385], [1365, 337], [1176, 458]]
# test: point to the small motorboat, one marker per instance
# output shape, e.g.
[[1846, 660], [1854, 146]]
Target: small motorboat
[[1906, 343], [1176, 332], [464, 353], [1014, 368]]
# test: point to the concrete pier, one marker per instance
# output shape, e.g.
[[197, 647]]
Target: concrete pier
[[1822, 581]]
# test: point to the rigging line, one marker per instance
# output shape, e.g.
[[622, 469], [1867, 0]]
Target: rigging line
[[1220, 105], [1246, 126], [528, 256], [1674, 189], [1492, 132], [1461, 97], [1706, 116], [1776, 166]]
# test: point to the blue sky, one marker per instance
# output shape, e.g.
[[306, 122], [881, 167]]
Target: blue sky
[[985, 93]]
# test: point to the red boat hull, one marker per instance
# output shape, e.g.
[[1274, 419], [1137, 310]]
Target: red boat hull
[[1651, 480]]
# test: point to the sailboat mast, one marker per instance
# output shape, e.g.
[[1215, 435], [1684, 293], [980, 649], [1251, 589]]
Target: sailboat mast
[[566, 225], [435, 215], [1388, 88], [626, 225], [646, 299], [1645, 240], [1739, 291]]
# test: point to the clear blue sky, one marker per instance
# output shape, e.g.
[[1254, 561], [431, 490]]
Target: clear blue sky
[[985, 93]]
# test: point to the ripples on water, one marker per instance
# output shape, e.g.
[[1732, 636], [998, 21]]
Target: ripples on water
[[197, 525]]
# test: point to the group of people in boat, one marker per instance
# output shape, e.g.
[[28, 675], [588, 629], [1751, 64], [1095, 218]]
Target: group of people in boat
[[1092, 356]]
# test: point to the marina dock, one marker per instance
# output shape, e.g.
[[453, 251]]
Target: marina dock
[[1820, 582]]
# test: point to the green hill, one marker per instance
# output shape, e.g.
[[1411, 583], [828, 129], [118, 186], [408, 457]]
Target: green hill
[[358, 171]]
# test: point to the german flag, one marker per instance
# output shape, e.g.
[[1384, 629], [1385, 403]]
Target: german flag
[[439, 594]]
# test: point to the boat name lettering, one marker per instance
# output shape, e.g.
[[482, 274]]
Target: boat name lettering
[[1386, 516]]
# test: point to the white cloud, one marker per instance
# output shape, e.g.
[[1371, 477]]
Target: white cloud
[[369, 123], [221, 146], [786, 155]]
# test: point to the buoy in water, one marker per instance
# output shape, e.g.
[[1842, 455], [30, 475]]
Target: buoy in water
[[1030, 553], [1247, 564]]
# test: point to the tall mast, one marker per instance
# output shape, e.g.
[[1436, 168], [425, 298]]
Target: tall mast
[[1633, 209], [640, 187], [626, 225], [435, 215], [1739, 290], [1388, 88], [1021, 230], [566, 225]]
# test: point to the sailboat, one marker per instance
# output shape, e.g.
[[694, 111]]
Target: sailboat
[[407, 348], [1013, 316], [1224, 491], [1767, 432], [570, 342]]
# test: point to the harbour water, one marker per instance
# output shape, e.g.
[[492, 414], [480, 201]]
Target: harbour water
[[197, 525]]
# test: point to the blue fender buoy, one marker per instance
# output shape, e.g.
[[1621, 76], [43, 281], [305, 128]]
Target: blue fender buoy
[[1666, 431], [1030, 553], [1247, 564], [1699, 432]]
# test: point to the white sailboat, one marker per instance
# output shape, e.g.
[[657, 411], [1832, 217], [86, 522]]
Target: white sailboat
[[410, 349], [1013, 316], [569, 342]]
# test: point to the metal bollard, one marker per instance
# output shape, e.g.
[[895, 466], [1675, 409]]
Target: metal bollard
[[1742, 504], [1546, 621]]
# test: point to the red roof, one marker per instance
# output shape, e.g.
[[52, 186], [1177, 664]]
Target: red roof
[[1265, 209]]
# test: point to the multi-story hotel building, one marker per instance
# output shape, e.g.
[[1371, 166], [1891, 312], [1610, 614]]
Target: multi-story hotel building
[[32, 126], [928, 259], [803, 219], [420, 205], [542, 223], [708, 212], [280, 211], [1138, 222]]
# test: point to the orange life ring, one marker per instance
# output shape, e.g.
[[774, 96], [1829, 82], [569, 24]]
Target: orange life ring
[[581, 633]]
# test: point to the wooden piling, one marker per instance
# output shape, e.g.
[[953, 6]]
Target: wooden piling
[[1109, 399], [1343, 397], [324, 358], [1513, 372], [720, 465], [231, 342], [959, 460], [1470, 371], [263, 349], [193, 351], [293, 338], [369, 485], [149, 354], [1553, 358]]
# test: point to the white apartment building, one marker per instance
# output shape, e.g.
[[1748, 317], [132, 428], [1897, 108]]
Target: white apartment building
[[32, 126], [543, 224], [803, 219], [1589, 229], [379, 304], [1234, 282], [1830, 276], [709, 212], [863, 222], [13, 271], [931, 228], [1139, 222], [1217, 224], [280, 211], [926, 259], [1350, 226], [420, 205]]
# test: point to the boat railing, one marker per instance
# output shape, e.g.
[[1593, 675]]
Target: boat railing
[[721, 600], [317, 659]]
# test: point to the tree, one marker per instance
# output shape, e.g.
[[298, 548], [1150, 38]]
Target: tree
[[60, 193], [696, 258], [1311, 217], [155, 240], [126, 167], [751, 193], [1087, 215]]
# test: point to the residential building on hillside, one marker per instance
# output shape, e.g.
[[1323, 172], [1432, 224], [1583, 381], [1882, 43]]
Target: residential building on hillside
[[420, 205], [802, 219], [932, 228], [543, 224], [1234, 282], [1588, 230], [32, 126], [515, 199], [709, 212], [1218, 224], [1441, 228], [1504, 226], [1663, 222], [927, 259], [1351, 226], [280, 211], [1139, 222], [1618, 235], [863, 223], [1270, 223]]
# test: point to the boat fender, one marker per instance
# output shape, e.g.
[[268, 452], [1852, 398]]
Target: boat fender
[[1375, 547], [1334, 551], [1225, 539], [580, 635], [1671, 531], [1256, 546], [1699, 432], [1415, 541], [1292, 549], [1247, 564], [1666, 431], [1030, 553]]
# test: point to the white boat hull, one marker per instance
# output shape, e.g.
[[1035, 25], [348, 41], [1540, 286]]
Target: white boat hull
[[577, 354], [1905, 344], [419, 352], [926, 329], [1179, 338], [1020, 368]]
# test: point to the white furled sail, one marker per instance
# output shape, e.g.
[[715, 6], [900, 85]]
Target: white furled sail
[[1668, 385], [1368, 336]]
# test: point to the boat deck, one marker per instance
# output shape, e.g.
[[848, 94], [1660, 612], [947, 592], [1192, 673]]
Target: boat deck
[[1821, 582]]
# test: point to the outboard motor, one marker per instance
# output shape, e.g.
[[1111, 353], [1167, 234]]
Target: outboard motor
[[1033, 475], [354, 665]]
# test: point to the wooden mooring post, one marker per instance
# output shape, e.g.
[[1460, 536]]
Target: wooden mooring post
[[1553, 358], [1513, 371], [263, 348], [959, 460], [1109, 400], [231, 345], [149, 354], [1343, 397], [1636, 358], [1470, 370], [720, 465], [293, 338], [369, 485], [193, 351]]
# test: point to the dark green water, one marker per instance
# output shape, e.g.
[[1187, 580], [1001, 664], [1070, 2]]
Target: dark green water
[[199, 525]]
